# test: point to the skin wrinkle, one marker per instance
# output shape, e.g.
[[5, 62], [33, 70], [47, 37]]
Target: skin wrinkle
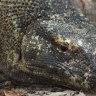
[[48, 42]]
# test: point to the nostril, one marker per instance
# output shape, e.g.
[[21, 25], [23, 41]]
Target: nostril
[[63, 48]]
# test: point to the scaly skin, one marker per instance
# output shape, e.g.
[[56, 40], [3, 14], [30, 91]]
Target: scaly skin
[[47, 42]]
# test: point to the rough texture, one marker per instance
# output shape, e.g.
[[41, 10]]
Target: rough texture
[[47, 42]]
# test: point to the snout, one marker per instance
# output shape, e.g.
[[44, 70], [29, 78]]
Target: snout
[[87, 43]]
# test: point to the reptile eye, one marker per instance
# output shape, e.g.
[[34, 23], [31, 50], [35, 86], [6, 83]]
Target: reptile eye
[[63, 48]]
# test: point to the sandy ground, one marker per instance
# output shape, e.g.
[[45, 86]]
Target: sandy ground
[[9, 89], [43, 92], [64, 93]]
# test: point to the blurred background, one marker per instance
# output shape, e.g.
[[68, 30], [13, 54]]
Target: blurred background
[[87, 7]]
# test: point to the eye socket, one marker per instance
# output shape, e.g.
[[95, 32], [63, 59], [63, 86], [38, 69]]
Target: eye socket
[[63, 48]]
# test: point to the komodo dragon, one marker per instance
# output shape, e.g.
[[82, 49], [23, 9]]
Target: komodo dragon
[[47, 42]]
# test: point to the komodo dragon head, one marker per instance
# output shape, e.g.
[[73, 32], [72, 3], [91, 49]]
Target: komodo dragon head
[[57, 45]]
